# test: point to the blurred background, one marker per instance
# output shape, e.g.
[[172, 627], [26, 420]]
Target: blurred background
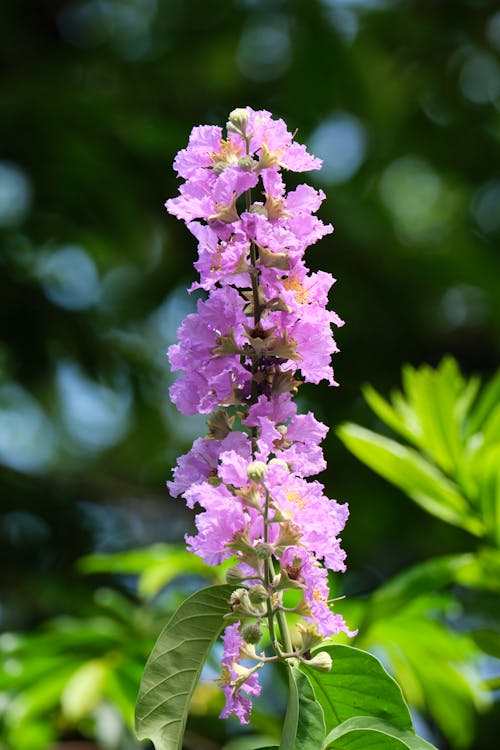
[[401, 99]]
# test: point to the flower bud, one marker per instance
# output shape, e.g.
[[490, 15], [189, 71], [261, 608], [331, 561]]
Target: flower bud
[[258, 208], [279, 462], [242, 605], [322, 662], [263, 550], [247, 163], [256, 471], [238, 120], [234, 576], [251, 632], [257, 594]]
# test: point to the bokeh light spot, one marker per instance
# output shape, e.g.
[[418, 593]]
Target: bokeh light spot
[[463, 304], [415, 194], [27, 439], [493, 31], [341, 142], [264, 51], [69, 278], [15, 194], [95, 415], [480, 78], [486, 206]]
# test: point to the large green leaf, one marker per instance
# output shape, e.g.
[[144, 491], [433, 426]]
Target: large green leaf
[[358, 685], [408, 470], [304, 726], [173, 668], [362, 732]]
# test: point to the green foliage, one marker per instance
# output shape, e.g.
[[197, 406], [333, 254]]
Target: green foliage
[[358, 685], [365, 731], [455, 472], [174, 666], [304, 725], [62, 675], [155, 566], [452, 472]]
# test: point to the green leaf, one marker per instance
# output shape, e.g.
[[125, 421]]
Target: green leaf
[[173, 668], [357, 685], [423, 578], [304, 726], [489, 475], [435, 665], [407, 469], [362, 732], [487, 403], [156, 565], [289, 732], [488, 641], [388, 414], [434, 397], [84, 690]]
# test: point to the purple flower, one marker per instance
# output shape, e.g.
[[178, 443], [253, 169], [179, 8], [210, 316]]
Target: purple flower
[[235, 681], [202, 460], [263, 327], [208, 380], [305, 568], [218, 525]]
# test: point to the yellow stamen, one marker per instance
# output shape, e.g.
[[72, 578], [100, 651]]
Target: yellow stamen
[[229, 154], [294, 497], [292, 283]]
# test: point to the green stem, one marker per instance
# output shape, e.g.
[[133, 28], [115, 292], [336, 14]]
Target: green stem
[[284, 632]]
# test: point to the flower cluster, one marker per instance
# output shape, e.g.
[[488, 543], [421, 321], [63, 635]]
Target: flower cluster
[[262, 330]]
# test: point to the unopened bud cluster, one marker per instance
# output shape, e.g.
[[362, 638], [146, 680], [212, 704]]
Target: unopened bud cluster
[[263, 330]]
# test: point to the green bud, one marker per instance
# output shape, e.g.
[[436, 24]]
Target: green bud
[[257, 594], [256, 471], [279, 462], [264, 550], [241, 604], [258, 208], [238, 120], [251, 632], [322, 662], [247, 163], [234, 576]]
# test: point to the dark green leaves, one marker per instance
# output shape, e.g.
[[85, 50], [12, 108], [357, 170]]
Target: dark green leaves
[[174, 667], [362, 732], [358, 685]]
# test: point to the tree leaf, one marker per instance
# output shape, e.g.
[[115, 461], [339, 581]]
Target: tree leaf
[[304, 726], [84, 689], [289, 732], [173, 668], [361, 732], [407, 469], [156, 565], [427, 577], [487, 402], [357, 685]]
